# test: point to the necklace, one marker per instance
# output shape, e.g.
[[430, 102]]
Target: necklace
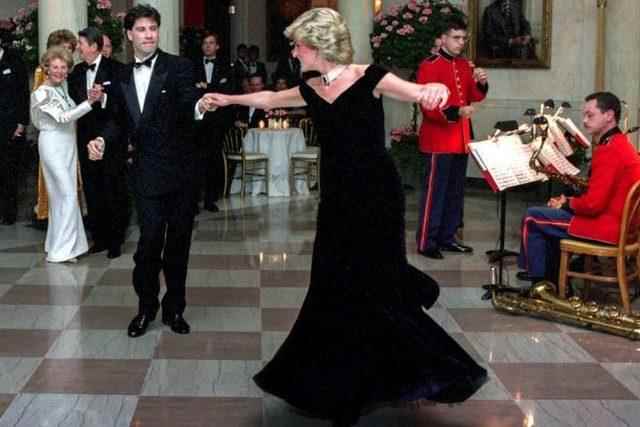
[[333, 74]]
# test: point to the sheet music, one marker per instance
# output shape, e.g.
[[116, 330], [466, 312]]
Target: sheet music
[[571, 127], [558, 136], [506, 159], [551, 156]]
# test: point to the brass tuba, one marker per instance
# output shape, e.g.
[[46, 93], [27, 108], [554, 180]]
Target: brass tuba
[[540, 301]]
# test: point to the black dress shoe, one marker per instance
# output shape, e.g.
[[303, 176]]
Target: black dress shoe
[[96, 248], [139, 324], [8, 221], [456, 247], [114, 252], [212, 207], [433, 253], [177, 323]]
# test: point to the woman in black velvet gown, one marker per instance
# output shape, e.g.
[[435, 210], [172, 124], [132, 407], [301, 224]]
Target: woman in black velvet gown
[[361, 339]]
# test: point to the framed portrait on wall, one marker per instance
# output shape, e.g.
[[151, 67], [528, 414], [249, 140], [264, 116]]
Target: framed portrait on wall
[[510, 33]]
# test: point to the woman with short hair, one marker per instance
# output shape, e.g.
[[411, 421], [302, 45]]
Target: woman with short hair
[[54, 113], [362, 338]]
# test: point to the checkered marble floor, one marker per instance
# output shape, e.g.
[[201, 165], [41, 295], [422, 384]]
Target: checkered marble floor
[[65, 359]]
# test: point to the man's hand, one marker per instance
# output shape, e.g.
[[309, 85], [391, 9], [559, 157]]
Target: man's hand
[[94, 94], [480, 75], [19, 132], [466, 111], [433, 95], [95, 148], [557, 202]]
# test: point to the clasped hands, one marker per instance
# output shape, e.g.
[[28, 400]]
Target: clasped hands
[[95, 93], [557, 202], [211, 102]]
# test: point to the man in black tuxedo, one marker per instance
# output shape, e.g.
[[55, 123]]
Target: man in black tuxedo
[[213, 74], [105, 185], [250, 116], [156, 111], [255, 66], [14, 117]]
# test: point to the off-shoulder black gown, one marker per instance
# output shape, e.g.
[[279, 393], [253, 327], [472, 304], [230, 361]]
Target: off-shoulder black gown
[[361, 339]]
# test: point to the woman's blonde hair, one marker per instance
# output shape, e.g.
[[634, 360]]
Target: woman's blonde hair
[[323, 29], [56, 52]]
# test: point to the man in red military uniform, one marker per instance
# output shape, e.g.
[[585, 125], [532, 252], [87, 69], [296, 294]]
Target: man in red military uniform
[[596, 214], [444, 136]]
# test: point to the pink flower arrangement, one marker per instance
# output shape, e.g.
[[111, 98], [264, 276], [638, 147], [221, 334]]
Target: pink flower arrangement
[[406, 34]]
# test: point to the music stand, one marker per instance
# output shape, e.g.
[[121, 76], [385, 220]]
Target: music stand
[[497, 255]]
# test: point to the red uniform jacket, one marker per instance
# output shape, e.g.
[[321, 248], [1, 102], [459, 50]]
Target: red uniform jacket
[[443, 130], [615, 167]]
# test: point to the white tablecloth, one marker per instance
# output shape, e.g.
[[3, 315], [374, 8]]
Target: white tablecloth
[[278, 145]]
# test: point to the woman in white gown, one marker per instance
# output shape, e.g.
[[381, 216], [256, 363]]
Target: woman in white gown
[[54, 113]]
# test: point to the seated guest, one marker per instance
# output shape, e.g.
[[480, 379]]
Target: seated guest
[[280, 82], [250, 116], [289, 67], [595, 215]]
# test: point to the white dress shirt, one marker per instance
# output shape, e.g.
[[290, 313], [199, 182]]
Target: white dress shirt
[[208, 69], [91, 75], [1, 53], [142, 78]]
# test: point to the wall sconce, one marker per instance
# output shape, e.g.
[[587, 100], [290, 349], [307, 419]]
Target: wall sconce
[[377, 6], [232, 8]]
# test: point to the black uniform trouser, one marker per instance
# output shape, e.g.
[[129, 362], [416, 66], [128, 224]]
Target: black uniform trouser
[[166, 223], [9, 154]]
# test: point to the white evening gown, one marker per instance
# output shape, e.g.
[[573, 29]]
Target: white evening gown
[[54, 113]]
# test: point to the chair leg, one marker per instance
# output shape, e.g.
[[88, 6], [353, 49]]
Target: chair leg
[[588, 268], [225, 192], [622, 283], [266, 177], [562, 275], [243, 183]]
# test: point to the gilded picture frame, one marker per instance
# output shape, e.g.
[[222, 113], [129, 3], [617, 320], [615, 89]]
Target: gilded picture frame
[[517, 37]]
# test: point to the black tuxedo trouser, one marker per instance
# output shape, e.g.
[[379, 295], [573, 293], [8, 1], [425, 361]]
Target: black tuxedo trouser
[[8, 179], [107, 203], [166, 224], [212, 163]]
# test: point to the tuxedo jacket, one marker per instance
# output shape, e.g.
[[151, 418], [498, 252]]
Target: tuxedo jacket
[[163, 133], [92, 125], [222, 82], [242, 114], [14, 95]]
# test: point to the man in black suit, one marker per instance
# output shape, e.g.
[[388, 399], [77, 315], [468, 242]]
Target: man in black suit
[[157, 109], [255, 66], [250, 116], [288, 67], [104, 182], [14, 117], [213, 74]]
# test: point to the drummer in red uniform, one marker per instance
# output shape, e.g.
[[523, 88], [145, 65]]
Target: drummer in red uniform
[[444, 136], [596, 214]]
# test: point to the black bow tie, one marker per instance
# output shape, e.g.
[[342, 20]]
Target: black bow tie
[[210, 61], [147, 62], [92, 67]]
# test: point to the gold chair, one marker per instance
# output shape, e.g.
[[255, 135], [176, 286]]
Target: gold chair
[[306, 164], [255, 166], [626, 253]]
